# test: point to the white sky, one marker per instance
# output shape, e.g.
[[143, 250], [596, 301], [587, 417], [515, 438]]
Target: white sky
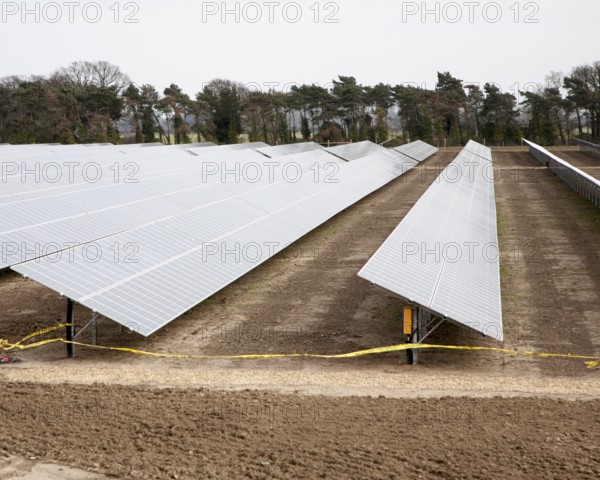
[[173, 43]]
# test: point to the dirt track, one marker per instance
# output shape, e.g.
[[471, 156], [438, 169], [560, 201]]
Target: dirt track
[[310, 300]]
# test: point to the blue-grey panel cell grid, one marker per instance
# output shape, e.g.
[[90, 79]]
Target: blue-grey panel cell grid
[[174, 271], [444, 254]]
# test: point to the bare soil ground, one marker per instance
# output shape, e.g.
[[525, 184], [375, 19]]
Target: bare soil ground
[[309, 300], [21, 468], [131, 432]]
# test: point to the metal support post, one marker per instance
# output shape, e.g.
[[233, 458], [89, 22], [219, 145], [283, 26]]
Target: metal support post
[[70, 329], [408, 331], [421, 320], [415, 335], [94, 329]]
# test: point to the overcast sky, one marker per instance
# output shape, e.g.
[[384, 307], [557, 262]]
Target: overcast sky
[[191, 42]]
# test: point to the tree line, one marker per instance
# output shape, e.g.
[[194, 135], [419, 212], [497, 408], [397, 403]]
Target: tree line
[[87, 102]]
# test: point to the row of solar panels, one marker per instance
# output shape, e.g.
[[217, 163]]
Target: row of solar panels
[[26, 176], [444, 256], [588, 147], [142, 253], [47, 216], [584, 184], [348, 152]]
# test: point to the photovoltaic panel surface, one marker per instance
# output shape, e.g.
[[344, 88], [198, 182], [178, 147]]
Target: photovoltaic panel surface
[[312, 157], [186, 257], [444, 254], [42, 218], [581, 182], [44, 221], [144, 145], [292, 148], [418, 150], [226, 148], [44, 176], [588, 147], [354, 151]]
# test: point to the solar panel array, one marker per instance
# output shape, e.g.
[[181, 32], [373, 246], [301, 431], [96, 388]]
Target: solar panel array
[[354, 151], [309, 158], [584, 184], [149, 251], [418, 150], [228, 148], [27, 176], [45, 219], [443, 256], [289, 149], [588, 147], [185, 146]]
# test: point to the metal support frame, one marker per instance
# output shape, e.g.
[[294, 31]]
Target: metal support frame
[[70, 329], [93, 324], [424, 324], [94, 329]]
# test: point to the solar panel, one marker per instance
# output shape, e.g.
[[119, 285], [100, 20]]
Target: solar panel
[[588, 147], [582, 183], [92, 168], [227, 148], [33, 176], [24, 152], [479, 150], [312, 157], [187, 146], [443, 256], [186, 257], [292, 148], [418, 150], [50, 220], [160, 144], [354, 151], [241, 155], [141, 145]]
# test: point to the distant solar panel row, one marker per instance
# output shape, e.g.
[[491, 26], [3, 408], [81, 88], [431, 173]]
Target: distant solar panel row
[[354, 151], [228, 148], [186, 258], [64, 213], [292, 148], [418, 150], [584, 184], [191, 234], [51, 175], [588, 147], [71, 216], [444, 255]]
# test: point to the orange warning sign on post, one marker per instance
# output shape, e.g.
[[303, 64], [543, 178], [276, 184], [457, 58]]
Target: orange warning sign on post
[[408, 328]]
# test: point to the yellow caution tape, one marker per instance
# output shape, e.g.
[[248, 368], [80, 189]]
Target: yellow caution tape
[[6, 346], [591, 362]]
